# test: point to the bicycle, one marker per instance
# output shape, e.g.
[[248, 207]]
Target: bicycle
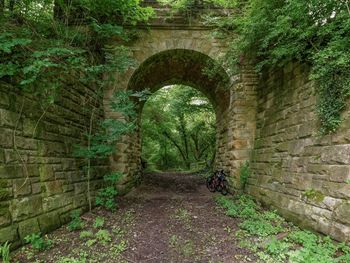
[[217, 182]]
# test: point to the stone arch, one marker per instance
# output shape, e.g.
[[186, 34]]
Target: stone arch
[[178, 66]]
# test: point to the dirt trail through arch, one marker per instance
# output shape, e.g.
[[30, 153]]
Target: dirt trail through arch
[[176, 220], [169, 218]]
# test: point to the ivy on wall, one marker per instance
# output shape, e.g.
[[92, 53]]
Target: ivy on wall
[[274, 33]]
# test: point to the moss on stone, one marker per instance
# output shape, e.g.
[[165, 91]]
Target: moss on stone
[[314, 195]]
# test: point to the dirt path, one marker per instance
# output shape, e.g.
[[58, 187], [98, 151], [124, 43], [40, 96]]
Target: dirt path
[[169, 218]]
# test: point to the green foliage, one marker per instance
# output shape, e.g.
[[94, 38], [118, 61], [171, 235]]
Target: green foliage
[[117, 249], [276, 247], [275, 33], [244, 174], [99, 222], [106, 196], [86, 234], [178, 126], [5, 252], [297, 246], [38, 242], [76, 223], [348, 181], [104, 236], [260, 227], [41, 52], [71, 260], [314, 195]]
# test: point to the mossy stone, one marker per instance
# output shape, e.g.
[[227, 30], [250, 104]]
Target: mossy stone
[[28, 227]]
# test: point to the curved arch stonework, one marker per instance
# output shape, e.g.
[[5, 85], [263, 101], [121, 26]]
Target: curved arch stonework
[[166, 56]]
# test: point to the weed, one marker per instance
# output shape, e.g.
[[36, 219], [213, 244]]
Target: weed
[[260, 227], [5, 252], [182, 214], [244, 174], [71, 260], [106, 196], [228, 229], [103, 236], [348, 181], [38, 242], [297, 247], [117, 249], [314, 195], [91, 242], [99, 222], [173, 240], [128, 217], [86, 234], [76, 223], [188, 248], [120, 233], [277, 248]]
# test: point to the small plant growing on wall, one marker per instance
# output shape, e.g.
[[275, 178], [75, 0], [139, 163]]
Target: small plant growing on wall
[[244, 174], [5, 252], [313, 195], [101, 144]]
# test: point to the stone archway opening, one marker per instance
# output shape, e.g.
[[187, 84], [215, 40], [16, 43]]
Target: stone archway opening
[[178, 125], [185, 67]]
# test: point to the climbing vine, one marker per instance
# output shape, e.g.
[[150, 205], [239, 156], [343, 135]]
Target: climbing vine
[[274, 33]]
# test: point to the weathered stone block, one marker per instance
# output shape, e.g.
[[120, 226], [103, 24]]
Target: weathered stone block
[[26, 143], [339, 154], [6, 138], [49, 222], [11, 171], [46, 173], [9, 234], [342, 213], [4, 100], [53, 187], [21, 187], [26, 207], [5, 215], [28, 227], [8, 118], [57, 201]]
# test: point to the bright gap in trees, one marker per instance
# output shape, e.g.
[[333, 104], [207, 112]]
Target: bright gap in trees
[[178, 130]]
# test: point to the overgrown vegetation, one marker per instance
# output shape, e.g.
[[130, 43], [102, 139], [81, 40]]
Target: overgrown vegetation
[[244, 174], [5, 252], [275, 33], [275, 240], [76, 222], [178, 129], [38, 242]]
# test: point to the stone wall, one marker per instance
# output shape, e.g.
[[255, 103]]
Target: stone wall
[[295, 169], [40, 180]]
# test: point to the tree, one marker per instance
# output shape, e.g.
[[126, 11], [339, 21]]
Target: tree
[[182, 133]]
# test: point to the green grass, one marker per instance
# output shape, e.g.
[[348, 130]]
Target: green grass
[[259, 229]]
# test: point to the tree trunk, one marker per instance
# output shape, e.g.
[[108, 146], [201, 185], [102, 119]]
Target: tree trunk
[[12, 5], [2, 6]]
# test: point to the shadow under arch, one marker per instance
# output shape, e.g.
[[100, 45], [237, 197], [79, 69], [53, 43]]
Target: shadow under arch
[[186, 67]]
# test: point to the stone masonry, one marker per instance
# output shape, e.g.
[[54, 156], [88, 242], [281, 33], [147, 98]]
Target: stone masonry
[[40, 180], [270, 121], [298, 171]]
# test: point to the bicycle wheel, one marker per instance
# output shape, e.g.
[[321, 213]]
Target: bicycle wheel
[[210, 184]]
